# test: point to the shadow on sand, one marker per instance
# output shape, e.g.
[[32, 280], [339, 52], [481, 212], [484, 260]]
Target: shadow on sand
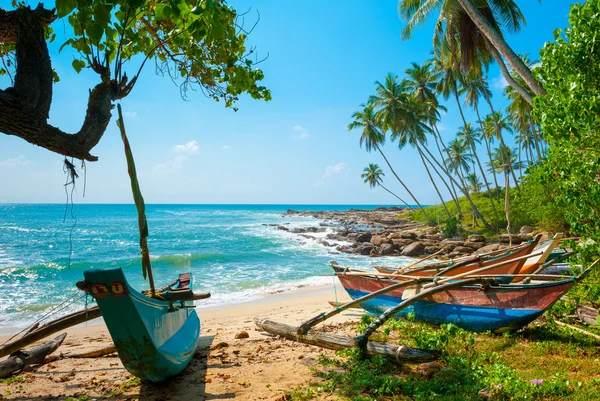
[[190, 384]]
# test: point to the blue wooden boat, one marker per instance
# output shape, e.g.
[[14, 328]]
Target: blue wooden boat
[[494, 307], [155, 337]]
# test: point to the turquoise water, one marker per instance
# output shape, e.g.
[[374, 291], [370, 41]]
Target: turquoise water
[[230, 250]]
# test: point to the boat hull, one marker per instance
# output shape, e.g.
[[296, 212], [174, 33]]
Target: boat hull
[[155, 339], [497, 308]]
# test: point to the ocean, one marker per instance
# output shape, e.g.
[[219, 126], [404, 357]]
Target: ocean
[[231, 251]]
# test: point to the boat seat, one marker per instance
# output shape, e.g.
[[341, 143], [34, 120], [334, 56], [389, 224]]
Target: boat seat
[[184, 281], [184, 295]]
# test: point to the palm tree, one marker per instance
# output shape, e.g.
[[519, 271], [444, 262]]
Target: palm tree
[[412, 130], [475, 86], [473, 183], [373, 176], [372, 136], [470, 136], [475, 32], [459, 160], [500, 123], [504, 160]]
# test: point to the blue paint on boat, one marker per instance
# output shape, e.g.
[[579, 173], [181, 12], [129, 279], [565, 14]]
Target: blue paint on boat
[[155, 339], [472, 318]]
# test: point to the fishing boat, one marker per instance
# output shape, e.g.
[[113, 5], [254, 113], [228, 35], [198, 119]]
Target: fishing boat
[[492, 306], [155, 337], [453, 269]]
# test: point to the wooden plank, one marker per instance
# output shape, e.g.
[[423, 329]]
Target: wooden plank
[[399, 353]]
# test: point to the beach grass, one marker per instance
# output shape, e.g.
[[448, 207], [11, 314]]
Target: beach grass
[[541, 362]]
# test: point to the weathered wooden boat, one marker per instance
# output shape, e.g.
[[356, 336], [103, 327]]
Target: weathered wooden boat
[[501, 260], [155, 337], [490, 306]]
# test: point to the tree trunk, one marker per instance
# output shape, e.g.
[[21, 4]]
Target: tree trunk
[[487, 146], [463, 190], [452, 194], [502, 140], [432, 181], [337, 342], [436, 135], [400, 199], [535, 137], [507, 205], [21, 359], [403, 185], [489, 192], [506, 74], [25, 107], [500, 44]]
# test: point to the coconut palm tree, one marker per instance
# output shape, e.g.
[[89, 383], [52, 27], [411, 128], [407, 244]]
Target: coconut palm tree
[[473, 183], [459, 159], [470, 137], [412, 131], [373, 175], [501, 123], [372, 137], [472, 34], [475, 86]]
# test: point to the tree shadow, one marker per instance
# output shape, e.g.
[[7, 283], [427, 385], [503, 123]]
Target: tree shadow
[[189, 384]]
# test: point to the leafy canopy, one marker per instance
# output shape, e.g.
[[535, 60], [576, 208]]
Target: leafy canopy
[[195, 42], [569, 116]]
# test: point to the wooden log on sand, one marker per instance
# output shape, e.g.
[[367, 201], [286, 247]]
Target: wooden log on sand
[[21, 359], [97, 353], [400, 353], [49, 329]]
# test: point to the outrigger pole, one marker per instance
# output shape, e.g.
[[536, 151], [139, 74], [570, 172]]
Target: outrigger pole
[[139, 205]]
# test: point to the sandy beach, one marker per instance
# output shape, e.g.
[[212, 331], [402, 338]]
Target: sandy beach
[[260, 367]]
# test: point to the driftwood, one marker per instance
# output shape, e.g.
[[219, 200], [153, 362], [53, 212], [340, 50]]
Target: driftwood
[[97, 353], [50, 328], [588, 315], [21, 359], [337, 304], [337, 342], [587, 333]]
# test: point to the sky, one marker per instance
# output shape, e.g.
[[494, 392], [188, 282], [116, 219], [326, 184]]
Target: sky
[[323, 60]]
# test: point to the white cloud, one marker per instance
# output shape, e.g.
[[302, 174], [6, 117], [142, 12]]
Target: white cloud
[[169, 166], [190, 147], [130, 114], [225, 147], [331, 171], [499, 82], [299, 132], [19, 161]]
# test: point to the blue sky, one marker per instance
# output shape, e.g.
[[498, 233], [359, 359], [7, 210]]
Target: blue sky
[[324, 57]]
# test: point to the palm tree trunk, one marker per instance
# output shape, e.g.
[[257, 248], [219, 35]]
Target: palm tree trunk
[[403, 185], [520, 164], [535, 137], [399, 198], [489, 192], [452, 194], [501, 140], [487, 145], [500, 44], [432, 181], [463, 190], [507, 205], [506, 74]]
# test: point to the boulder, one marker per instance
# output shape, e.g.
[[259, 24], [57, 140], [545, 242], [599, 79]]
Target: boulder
[[463, 249], [364, 237], [298, 230], [490, 248], [399, 242], [280, 227], [414, 249], [377, 240], [526, 230], [365, 248], [526, 237], [476, 238], [431, 249], [408, 235], [387, 249], [504, 238], [475, 245], [242, 334]]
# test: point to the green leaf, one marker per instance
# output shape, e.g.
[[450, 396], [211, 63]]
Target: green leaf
[[64, 7], [197, 10], [78, 65], [162, 11], [101, 14], [94, 32]]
